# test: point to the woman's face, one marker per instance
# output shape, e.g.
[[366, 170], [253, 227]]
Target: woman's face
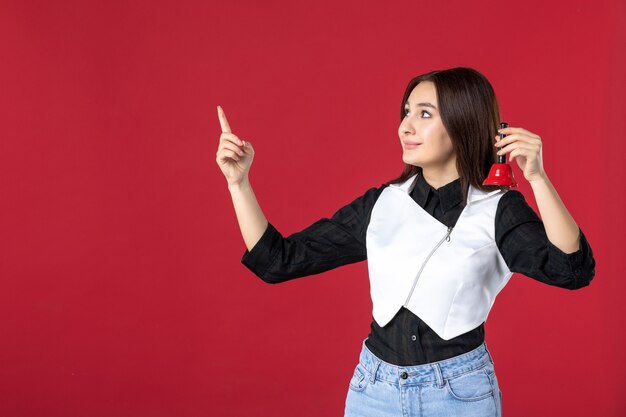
[[424, 139]]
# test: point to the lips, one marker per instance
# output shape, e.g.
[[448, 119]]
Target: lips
[[411, 145]]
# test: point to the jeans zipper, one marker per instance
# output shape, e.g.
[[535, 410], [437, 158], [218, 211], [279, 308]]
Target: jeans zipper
[[446, 238]]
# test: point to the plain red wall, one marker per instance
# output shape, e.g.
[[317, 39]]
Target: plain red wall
[[121, 287]]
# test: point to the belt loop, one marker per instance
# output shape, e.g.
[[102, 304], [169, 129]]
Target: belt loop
[[438, 374], [374, 371], [488, 353]]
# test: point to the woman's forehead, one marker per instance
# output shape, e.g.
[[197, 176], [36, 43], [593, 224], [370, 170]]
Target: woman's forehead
[[424, 92]]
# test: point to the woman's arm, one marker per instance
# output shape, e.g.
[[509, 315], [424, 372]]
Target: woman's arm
[[326, 244], [551, 249], [234, 156], [522, 240], [252, 221], [524, 148], [560, 227]]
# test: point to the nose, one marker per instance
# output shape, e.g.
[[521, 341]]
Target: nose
[[405, 128]]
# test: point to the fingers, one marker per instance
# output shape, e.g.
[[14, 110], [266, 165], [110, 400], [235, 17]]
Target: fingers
[[232, 138], [511, 130], [231, 146], [517, 153], [225, 154], [223, 122], [226, 131], [229, 149], [517, 137], [520, 148]]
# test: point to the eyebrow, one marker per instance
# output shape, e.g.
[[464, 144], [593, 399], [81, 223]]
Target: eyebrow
[[422, 104]]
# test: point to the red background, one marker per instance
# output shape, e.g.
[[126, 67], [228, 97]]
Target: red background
[[121, 287]]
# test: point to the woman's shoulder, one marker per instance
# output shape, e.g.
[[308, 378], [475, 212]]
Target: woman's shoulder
[[371, 194], [512, 196], [363, 202], [375, 191], [513, 208]]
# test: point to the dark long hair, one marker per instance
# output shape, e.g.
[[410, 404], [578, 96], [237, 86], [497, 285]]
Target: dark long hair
[[469, 112]]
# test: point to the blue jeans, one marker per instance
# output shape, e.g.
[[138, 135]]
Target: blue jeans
[[464, 385]]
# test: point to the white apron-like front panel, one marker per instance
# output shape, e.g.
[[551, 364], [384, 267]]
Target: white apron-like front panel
[[460, 278]]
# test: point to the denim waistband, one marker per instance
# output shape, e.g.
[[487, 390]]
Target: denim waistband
[[432, 372]]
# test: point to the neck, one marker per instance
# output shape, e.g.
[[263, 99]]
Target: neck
[[439, 177]]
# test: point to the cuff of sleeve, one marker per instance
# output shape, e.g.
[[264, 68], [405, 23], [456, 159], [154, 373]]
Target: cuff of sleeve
[[570, 263], [262, 255]]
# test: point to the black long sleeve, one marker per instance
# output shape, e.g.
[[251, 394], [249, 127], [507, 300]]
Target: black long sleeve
[[324, 245], [524, 245]]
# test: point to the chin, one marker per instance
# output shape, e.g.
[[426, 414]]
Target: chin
[[410, 161]]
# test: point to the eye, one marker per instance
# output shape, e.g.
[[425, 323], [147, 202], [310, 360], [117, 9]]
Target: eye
[[406, 110]]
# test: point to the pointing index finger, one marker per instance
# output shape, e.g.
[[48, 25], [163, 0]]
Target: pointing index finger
[[223, 122]]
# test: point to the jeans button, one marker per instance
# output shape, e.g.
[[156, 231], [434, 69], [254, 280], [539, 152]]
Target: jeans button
[[404, 375]]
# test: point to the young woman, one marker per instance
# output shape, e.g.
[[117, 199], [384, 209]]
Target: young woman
[[440, 246]]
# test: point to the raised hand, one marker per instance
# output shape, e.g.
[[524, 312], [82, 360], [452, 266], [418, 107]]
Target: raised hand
[[234, 156], [524, 148]]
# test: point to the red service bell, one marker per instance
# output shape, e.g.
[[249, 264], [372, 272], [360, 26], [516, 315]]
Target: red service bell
[[501, 172]]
